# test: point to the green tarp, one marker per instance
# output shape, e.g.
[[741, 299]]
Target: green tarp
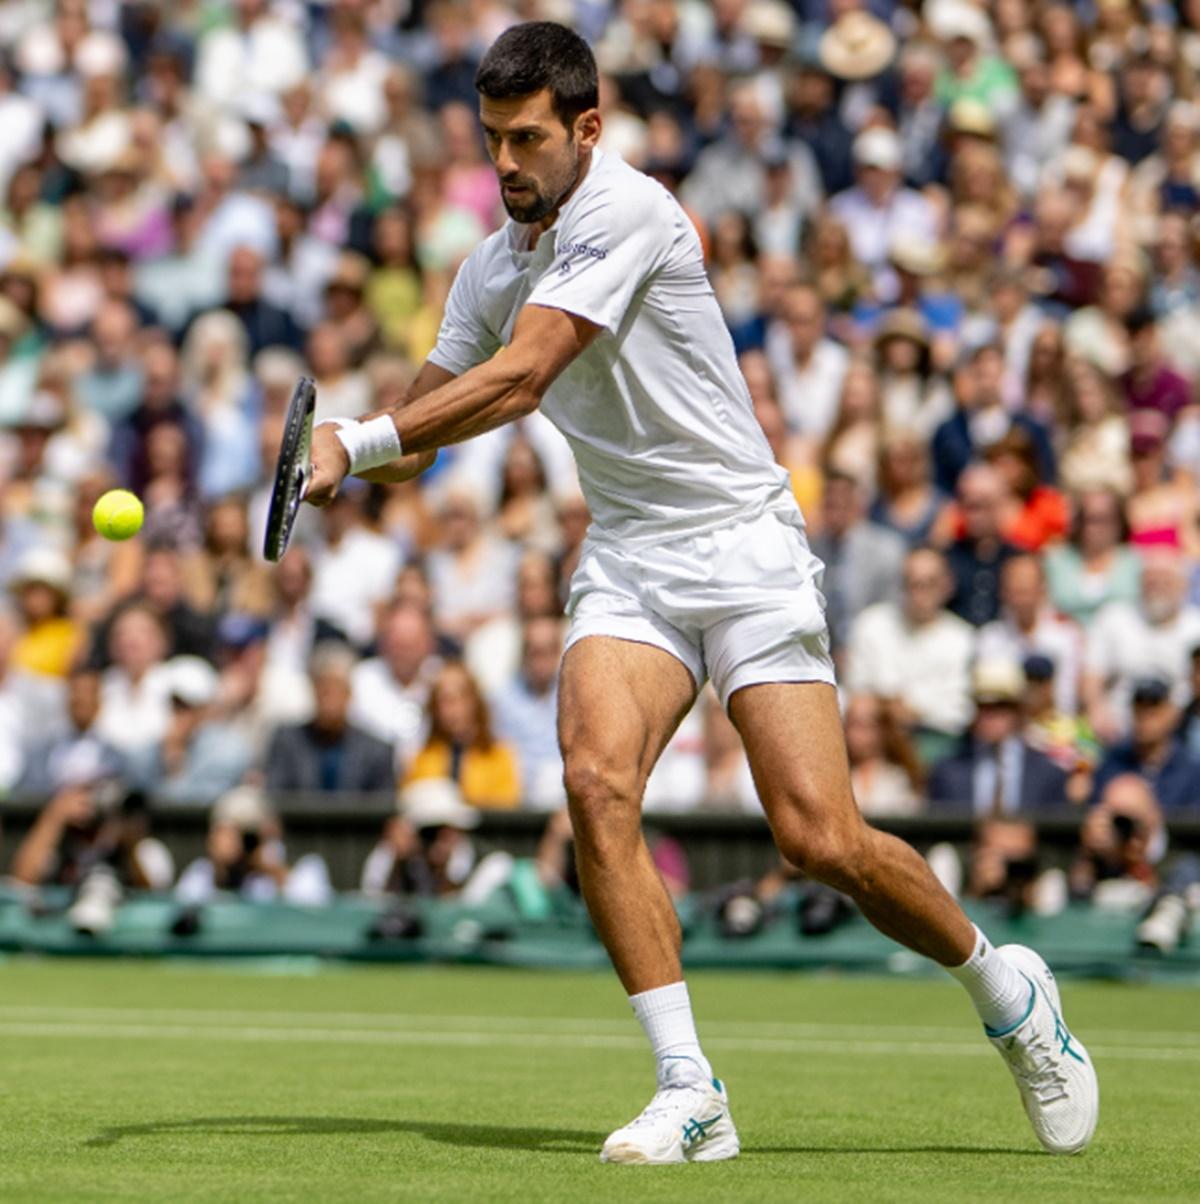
[[1080, 940]]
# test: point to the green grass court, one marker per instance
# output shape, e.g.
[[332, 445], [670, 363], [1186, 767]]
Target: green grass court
[[180, 1081]]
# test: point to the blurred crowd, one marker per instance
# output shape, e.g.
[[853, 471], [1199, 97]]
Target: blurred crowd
[[955, 243]]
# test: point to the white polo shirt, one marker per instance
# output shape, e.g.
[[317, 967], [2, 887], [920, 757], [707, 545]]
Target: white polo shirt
[[655, 410]]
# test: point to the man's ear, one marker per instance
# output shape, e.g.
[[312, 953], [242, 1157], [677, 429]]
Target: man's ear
[[587, 128]]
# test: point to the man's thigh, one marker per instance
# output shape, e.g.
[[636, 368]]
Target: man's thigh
[[619, 702], [797, 751]]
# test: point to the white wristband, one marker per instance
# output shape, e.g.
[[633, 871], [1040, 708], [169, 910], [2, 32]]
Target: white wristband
[[369, 444]]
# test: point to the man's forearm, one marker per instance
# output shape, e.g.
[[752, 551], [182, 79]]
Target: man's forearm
[[490, 395]]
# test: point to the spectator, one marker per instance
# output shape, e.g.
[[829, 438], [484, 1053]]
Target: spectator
[[884, 771], [809, 367], [879, 212], [461, 745], [246, 857], [971, 70], [1095, 452], [1028, 626], [92, 834], [493, 651], [471, 571], [1154, 751], [198, 757], [730, 174], [1095, 566], [425, 849], [354, 569], [863, 561], [916, 655], [908, 502], [1036, 514], [294, 631], [526, 709], [134, 694], [1150, 383], [915, 398], [998, 773], [1065, 737], [982, 419], [1121, 840], [1003, 864], [330, 754], [216, 380], [37, 743], [1161, 509], [1153, 636], [390, 691], [162, 590], [977, 556], [49, 640]]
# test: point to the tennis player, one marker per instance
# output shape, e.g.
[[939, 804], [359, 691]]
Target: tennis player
[[593, 304]]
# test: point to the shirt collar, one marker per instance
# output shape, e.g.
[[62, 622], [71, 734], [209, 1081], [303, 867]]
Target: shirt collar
[[517, 233]]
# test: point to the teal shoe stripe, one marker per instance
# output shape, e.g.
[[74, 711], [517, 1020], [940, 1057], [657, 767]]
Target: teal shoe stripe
[[1001, 1032]]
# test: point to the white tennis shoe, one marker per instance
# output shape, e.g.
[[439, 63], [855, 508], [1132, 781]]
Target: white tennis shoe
[[1054, 1074], [686, 1121]]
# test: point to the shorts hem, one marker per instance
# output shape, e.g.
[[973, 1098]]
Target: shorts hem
[[752, 675], [634, 631]]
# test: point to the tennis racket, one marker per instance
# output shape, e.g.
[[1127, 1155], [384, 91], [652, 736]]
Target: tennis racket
[[292, 470]]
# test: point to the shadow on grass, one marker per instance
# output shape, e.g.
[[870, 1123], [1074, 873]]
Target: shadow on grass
[[864, 1151], [501, 1137], [546, 1141]]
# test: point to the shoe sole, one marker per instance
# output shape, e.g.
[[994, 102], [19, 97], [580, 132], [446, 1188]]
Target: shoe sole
[[629, 1155], [1033, 966]]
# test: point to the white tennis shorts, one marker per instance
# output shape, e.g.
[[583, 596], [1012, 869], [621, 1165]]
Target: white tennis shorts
[[740, 605]]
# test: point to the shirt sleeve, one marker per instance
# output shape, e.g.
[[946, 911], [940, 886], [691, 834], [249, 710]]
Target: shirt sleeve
[[463, 338], [604, 254]]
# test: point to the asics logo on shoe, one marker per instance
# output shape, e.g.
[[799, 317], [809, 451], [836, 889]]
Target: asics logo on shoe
[[1063, 1035], [694, 1130]]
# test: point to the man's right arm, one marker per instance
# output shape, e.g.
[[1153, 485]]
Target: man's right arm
[[432, 376]]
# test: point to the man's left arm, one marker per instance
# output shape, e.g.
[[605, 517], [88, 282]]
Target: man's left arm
[[504, 388]]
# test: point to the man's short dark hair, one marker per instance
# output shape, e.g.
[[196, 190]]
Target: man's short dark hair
[[541, 54]]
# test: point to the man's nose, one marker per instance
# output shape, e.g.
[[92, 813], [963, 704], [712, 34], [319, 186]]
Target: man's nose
[[506, 165]]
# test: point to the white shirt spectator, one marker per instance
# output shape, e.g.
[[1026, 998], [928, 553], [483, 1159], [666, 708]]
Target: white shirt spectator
[[352, 579], [1123, 646], [928, 668], [385, 707], [1052, 636], [268, 57], [134, 715], [481, 584], [808, 393], [356, 96], [875, 229]]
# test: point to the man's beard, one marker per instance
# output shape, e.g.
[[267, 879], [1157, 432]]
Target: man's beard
[[541, 203]]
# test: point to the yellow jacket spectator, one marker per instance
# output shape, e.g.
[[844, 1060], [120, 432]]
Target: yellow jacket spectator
[[51, 638], [461, 746]]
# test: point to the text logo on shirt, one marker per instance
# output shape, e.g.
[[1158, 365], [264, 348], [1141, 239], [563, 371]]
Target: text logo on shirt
[[579, 248]]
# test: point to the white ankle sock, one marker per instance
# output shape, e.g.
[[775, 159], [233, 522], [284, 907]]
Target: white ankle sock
[[999, 991], [666, 1016]]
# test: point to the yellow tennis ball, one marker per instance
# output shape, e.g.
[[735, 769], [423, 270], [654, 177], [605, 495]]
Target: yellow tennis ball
[[118, 514]]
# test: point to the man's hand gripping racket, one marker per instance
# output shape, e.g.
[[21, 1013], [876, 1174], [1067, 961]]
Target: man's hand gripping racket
[[310, 468]]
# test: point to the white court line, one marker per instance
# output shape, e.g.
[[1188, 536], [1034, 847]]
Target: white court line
[[535, 1040], [539, 1025]]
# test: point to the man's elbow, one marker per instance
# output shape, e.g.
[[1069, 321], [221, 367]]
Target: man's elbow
[[525, 399]]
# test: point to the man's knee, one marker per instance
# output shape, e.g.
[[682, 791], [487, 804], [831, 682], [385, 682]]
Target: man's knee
[[839, 857], [605, 804]]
